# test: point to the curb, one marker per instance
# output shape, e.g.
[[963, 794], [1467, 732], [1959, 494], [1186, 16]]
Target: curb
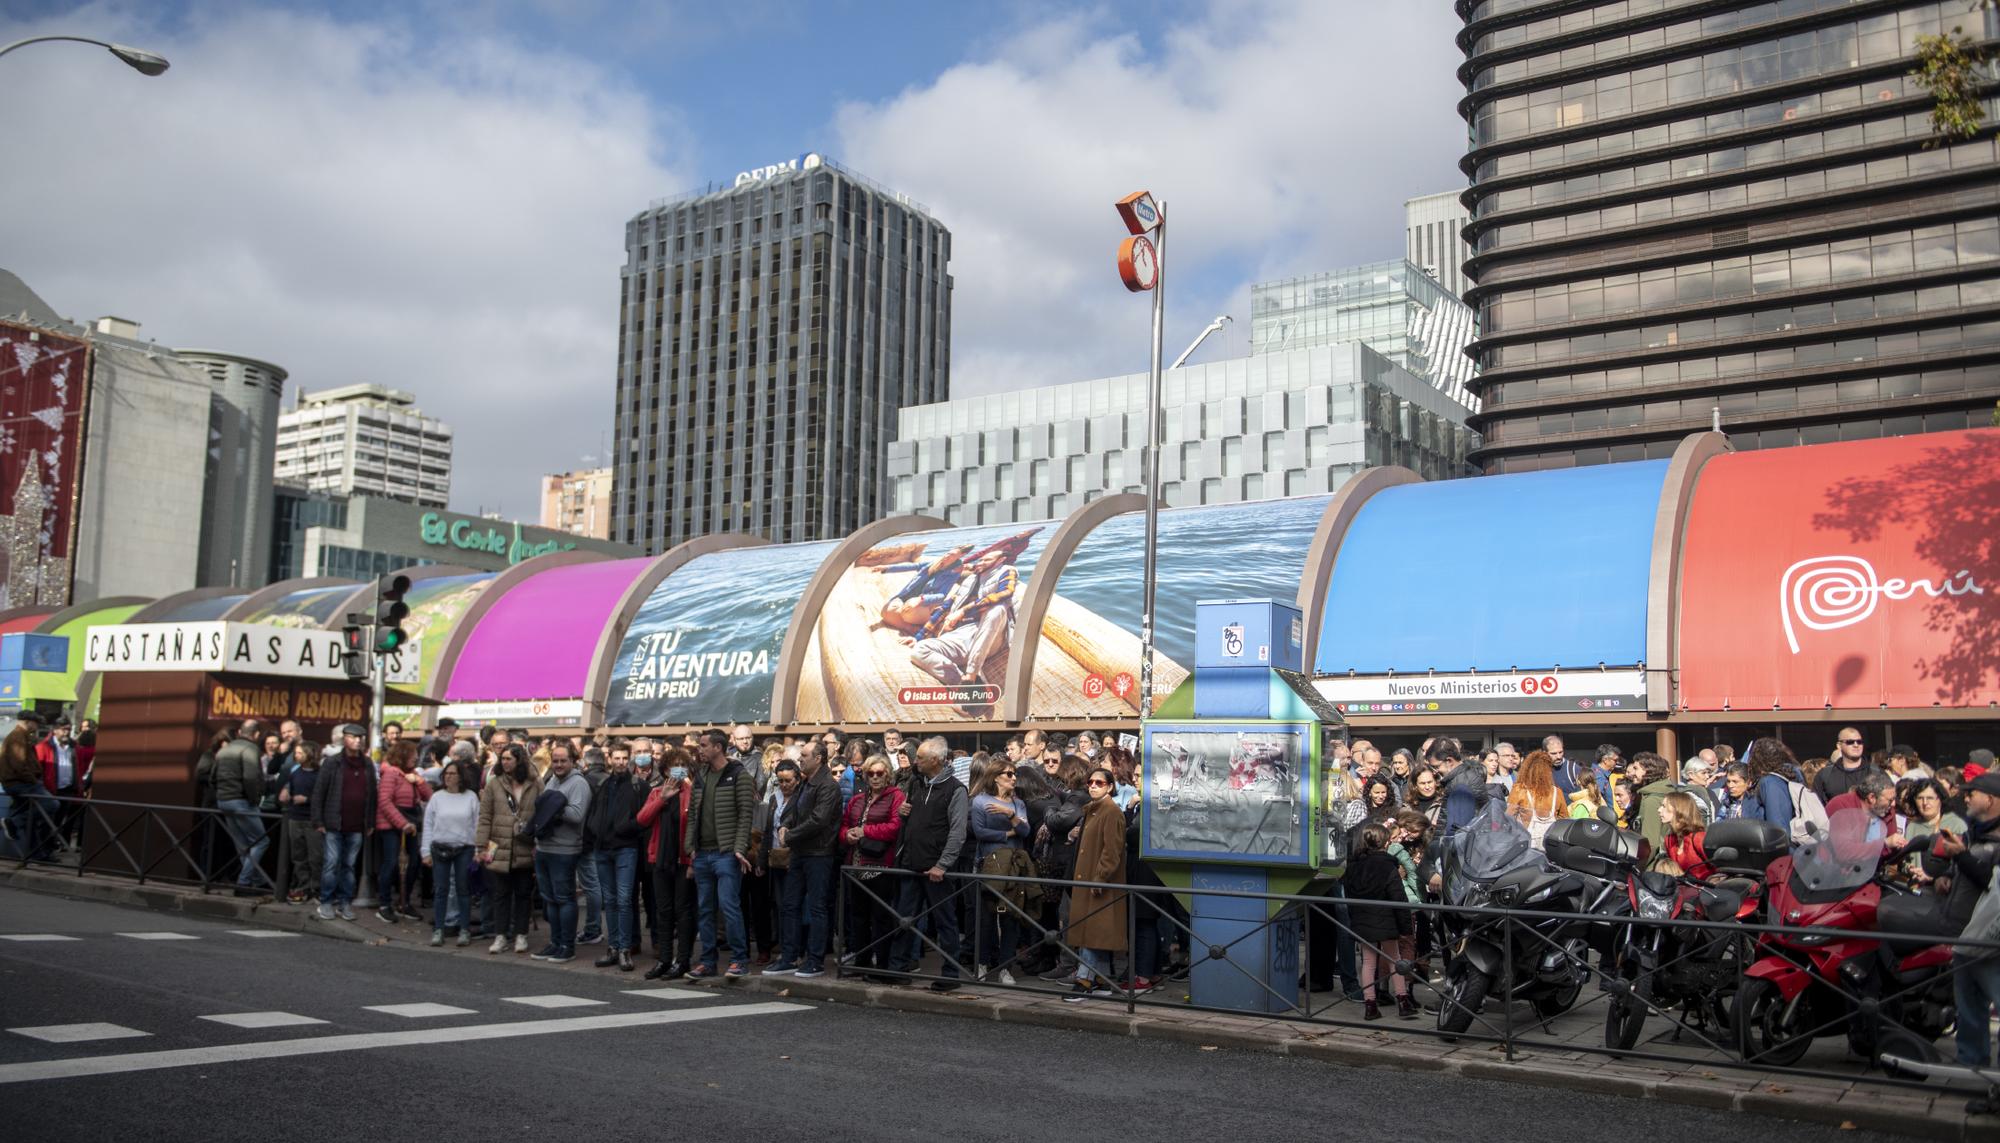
[[260, 911], [1930, 1114]]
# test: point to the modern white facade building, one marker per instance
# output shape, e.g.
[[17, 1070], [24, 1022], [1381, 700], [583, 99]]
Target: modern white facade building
[[1394, 308], [365, 440], [1433, 236], [1283, 423]]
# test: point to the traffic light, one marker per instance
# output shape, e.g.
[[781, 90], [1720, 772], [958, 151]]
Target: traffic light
[[390, 611], [354, 653]]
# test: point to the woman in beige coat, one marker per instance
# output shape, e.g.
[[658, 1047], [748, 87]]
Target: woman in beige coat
[[508, 802], [1097, 916]]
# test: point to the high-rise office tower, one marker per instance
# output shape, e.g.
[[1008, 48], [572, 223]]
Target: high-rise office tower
[[768, 333], [1688, 210], [365, 440], [767, 336]]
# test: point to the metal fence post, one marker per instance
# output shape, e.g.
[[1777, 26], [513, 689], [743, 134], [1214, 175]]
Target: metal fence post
[[1506, 983], [1132, 903]]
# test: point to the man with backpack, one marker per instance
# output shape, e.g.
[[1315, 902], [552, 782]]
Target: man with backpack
[[558, 829]]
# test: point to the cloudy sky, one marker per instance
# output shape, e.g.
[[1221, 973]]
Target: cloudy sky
[[432, 196]]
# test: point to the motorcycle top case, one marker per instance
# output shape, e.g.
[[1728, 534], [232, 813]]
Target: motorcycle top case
[[1745, 847], [1591, 846]]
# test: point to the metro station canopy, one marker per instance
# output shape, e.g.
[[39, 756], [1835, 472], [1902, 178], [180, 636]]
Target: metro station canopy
[[1859, 576]]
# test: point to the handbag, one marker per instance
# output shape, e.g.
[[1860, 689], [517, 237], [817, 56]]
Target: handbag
[[780, 857]]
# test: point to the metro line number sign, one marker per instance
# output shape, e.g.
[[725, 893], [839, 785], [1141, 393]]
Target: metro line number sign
[[1545, 684]]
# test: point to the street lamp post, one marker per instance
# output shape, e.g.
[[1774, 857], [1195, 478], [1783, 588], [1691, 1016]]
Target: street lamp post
[[1142, 265], [141, 61]]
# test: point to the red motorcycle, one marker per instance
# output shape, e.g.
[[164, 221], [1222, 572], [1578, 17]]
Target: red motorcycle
[[1887, 986]]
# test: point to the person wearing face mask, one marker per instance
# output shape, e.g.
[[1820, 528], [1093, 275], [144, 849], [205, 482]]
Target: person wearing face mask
[[504, 853], [664, 816]]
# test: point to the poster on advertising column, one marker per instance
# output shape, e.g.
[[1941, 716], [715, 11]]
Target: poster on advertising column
[[704, 646], [1088, 663], [918, 629]]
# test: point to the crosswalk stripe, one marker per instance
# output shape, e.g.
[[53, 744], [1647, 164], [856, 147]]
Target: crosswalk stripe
[[78, 1033], [261, 1051], [553, 1001], [26, 937], [160, 936], [262, 1019], [260, 933], [671, 993], [417, 1011]]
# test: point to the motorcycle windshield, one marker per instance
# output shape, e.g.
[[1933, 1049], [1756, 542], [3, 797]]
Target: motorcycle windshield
[[1845, 856], [1492, 844]]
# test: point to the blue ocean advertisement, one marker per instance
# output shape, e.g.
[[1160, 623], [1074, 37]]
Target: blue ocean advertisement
[[704, 646], [1088, 663]]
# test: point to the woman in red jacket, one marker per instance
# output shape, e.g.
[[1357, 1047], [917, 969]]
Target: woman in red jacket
[[664, 816], [1682, 833], [868, 831]]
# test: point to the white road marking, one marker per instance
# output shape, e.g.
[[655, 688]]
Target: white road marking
[[36, 937], [260, 933], [321, 1045], [263, 1019], [417, 1011], [554, 1001], [79, 1033], [671, 993], [160, 936]]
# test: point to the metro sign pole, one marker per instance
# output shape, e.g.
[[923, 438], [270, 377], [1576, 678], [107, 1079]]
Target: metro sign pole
[[1142, 266]]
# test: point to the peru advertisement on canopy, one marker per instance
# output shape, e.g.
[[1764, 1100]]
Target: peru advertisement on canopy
[[918, 629], [1087, 665], [1856, 576], [704, 646]]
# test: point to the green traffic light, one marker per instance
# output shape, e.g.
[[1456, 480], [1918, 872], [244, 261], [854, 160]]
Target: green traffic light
[[390, 639]]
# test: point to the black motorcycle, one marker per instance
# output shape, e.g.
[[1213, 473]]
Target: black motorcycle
[[1658, 966], [1491, 864]]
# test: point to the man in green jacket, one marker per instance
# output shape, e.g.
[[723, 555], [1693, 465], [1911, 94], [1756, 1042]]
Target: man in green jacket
[[720, 807], [238, 781]]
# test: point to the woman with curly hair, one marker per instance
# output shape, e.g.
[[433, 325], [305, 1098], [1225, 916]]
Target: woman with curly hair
[[1536, 802], [1772, 771]]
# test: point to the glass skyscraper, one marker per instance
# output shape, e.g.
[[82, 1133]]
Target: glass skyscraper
[[768, 333], [1688, 209]]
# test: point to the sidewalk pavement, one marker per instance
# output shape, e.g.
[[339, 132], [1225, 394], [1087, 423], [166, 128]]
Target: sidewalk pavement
[[1932, 1113]]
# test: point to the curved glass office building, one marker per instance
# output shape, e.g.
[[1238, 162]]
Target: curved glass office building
[[1685, 208]]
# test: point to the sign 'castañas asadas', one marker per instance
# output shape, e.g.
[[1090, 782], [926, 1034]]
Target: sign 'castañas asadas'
[[472, 536]]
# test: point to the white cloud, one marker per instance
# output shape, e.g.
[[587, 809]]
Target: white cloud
[[1285, 138], [352, 202]]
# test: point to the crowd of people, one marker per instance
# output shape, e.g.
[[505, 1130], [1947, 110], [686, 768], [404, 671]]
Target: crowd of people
[[722, 855]]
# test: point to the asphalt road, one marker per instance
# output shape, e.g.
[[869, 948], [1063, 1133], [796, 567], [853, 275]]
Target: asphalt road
[[688, 1062]]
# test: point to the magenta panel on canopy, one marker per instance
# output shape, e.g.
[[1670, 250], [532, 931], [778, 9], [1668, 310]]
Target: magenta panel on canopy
[[536, 640]]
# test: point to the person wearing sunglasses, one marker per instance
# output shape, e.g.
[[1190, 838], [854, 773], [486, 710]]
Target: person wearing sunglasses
[[1097, 914], [1849, 766], [868, 832]]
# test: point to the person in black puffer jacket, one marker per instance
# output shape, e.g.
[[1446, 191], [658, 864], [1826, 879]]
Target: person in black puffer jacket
[[1373, 875], [613, 833]]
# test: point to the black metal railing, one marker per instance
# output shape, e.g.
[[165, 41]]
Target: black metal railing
[[201, 846], [1612, 968]]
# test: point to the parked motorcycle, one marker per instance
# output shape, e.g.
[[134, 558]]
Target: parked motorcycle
[[1890, 994], [1492, 864], [1662, 966]]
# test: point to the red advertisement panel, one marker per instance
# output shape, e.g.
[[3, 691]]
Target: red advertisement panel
[[44, 378], [1854, 576]]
